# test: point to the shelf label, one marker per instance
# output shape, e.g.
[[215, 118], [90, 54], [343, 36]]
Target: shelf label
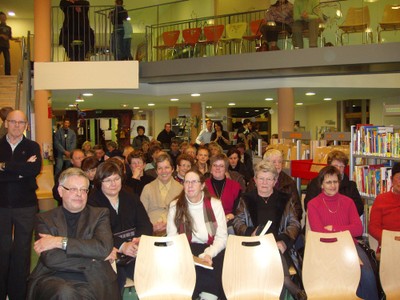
[[297, 135]]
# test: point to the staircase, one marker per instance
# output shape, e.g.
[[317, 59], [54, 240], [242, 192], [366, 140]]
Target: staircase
[[8, 90]]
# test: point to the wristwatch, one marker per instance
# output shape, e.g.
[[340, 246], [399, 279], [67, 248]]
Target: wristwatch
[[64, 243]]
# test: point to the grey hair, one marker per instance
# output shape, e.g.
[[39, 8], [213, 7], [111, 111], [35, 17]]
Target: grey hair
[[265, 166], [272, 152], [72, 172]]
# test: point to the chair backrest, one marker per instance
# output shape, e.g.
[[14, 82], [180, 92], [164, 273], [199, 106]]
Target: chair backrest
[[255, 26], [389, 269], [164, 268], [191, 35], [236, 30], [170, 37], [330, 266], [252, 268], [357, 16], [391, 14], [213, 33]]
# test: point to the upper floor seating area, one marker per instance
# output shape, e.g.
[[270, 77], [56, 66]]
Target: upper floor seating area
[[95, 34]]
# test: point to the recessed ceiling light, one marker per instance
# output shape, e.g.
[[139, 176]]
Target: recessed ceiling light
[[136, 107], [11, 14], [79, 99], [247, 112], [128, 18], [124, 105], [195, 95], [71, 105], [256, 110], [232, 104], [310, 94], [327, 99], [209, 106], [265, 108], [151, 104], [299, 103], [174, 99], [269, 99], [87, 94]]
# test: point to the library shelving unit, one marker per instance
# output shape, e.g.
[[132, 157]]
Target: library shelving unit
[[373, 151]]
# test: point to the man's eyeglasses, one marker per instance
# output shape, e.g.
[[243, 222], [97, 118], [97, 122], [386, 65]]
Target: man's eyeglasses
[[14, 122], [191, 182], [75, 190]]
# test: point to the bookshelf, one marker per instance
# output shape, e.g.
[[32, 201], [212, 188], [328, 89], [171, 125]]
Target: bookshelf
[[373, 151]]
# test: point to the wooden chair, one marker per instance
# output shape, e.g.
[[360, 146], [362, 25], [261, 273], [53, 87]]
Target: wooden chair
[[357, 21], [164, 268], [234, 35], [191, 37], [252, 268], [389, 269], [213, 36], [390, 20], [255, 35], [331, 267], [169, 39]]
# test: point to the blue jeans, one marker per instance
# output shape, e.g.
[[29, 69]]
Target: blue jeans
[[367, 288]]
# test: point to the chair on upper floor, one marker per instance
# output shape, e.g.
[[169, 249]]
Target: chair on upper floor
[[191, 37], [357, 21], [252, 268], [390, 20], [164, 268], [213, 36], [389, 269], [331, 267], [169, 42], [255, 35], [234, 36]]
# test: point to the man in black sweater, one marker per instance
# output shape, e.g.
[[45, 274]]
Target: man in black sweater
[[20, 163]]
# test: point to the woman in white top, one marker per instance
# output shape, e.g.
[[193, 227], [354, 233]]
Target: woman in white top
[[202, 219]]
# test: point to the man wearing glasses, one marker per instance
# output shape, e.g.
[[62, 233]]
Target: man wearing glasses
[[20, 163], [75, 245]]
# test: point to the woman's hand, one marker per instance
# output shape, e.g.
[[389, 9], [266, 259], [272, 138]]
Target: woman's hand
[[281, 246], [130, 248], [137, 173], [229, 217], [207, 259]]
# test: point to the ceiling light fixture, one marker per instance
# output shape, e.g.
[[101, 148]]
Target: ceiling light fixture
[[151, 104], [79, 99], [310, 94], [87, 94], [299, 103], [11, 14], [136, 107], [327, 99], [209, 106], [269, 99], [195, 95], [232, 104], [174, 99]]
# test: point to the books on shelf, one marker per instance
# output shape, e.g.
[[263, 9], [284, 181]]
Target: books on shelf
[[383, 141], [373, 180]]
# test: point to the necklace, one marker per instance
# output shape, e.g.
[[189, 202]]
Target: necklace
[[332, 212], [218, 194], [265, 199]]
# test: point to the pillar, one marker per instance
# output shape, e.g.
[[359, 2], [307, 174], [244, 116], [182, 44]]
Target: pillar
[[173, 112], [43, 126], [195, 113], [285, 110]]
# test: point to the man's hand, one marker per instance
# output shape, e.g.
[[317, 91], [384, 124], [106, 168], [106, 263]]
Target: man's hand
[[32, 159], [112, 256], [130, 248], [281, 246], [47, 242], [160, 226]]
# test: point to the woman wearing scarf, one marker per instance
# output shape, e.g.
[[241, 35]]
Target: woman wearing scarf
[[202, 219]]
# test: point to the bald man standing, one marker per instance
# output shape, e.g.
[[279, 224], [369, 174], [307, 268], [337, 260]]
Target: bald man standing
[[20, 163]]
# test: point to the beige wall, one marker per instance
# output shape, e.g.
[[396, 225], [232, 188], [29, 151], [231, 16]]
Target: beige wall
[[376, 112], [234, 6]]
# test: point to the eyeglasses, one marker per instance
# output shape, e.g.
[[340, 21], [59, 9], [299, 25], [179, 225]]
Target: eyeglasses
[[189, 182], [14, 122], [265, 179], [331, 182], [75, 190], [218, 166], [109, 181]]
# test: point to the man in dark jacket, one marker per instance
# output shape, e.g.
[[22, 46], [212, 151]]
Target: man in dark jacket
[[165, 136], [20, 163], [75, 246]]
